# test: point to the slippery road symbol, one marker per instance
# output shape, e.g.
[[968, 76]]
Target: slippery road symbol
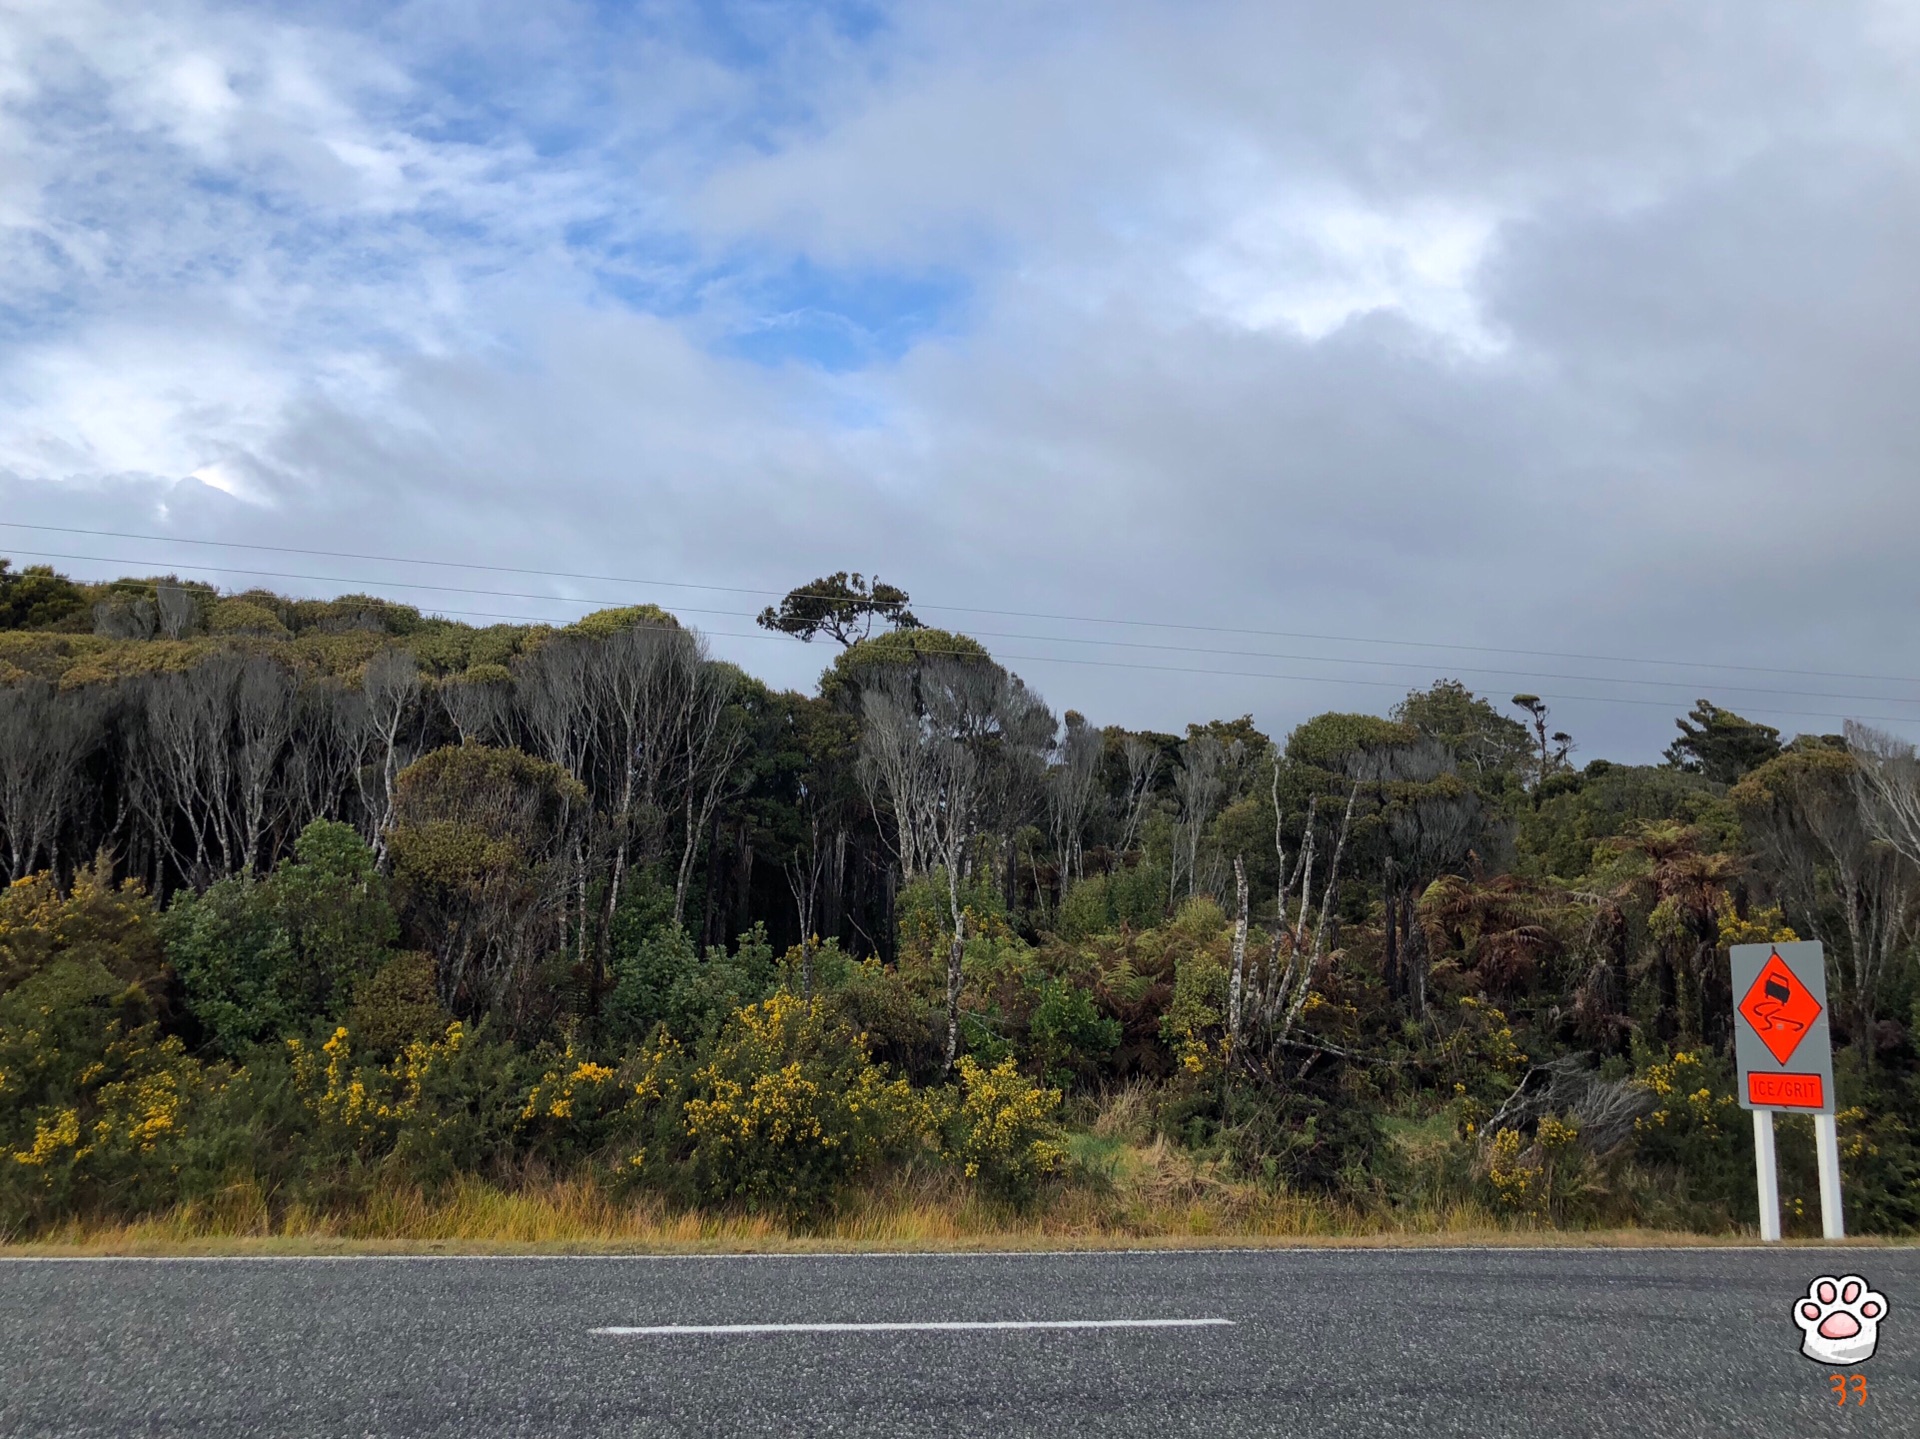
[[1767, 1015], [1779, 1007]]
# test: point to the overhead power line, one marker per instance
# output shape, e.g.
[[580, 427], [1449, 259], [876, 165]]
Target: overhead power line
[[1685, 686], [1694, 665], [1399, 684]]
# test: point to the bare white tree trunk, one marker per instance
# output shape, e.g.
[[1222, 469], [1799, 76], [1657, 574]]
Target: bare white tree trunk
[[940, 741], [263, 713], [391, 684], [1200, 787], [1237, 980], [1333, 875], [956, 957], [1143, 768], [1070, 794], [711, 749]]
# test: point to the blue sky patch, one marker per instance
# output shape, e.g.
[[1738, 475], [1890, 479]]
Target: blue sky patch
[[839, 320]]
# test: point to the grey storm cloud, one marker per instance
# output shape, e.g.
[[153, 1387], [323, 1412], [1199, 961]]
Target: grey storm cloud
[[1587, 331]]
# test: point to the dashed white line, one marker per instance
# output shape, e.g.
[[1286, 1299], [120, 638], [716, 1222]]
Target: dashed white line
[[936, 1326]]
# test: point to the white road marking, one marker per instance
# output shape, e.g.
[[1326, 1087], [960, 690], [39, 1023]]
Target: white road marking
[[943, 1326]]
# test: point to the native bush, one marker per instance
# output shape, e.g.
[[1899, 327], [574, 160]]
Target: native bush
[[259, 959], [1693, 1149], [899, 1012], [397, 1004], [1067, 1035], [91, 1092], [661, 979], [441, 1107], [1132, 899]]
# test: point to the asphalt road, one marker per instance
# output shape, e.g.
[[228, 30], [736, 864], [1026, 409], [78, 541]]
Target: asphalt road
[[1469, 1342]]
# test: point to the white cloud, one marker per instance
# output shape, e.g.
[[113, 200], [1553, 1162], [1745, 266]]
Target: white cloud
[[1314, 264], [1372, 318]]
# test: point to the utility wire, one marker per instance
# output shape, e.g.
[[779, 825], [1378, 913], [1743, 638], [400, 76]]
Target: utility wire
[[957, 609], [1251, 674], [1687, 686], [758, 634]]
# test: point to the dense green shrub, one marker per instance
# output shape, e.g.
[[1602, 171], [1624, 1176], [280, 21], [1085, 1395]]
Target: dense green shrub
[[442, 1107], [1067, 1035], [660, 979], [259, 959], [91, 1095], [1133, 898], [397, 1004]]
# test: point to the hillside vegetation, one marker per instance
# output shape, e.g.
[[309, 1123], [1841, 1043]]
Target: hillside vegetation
[[334, 919]]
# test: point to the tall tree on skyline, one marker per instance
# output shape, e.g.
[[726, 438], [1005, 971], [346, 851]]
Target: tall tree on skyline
[[842, 605]]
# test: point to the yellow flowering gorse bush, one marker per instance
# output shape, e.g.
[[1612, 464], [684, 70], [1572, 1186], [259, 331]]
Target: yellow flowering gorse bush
[[1004, 1129], [1687, 1098], [788, 1107]]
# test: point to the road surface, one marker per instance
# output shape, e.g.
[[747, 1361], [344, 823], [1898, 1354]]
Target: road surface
[[1418, 1342]]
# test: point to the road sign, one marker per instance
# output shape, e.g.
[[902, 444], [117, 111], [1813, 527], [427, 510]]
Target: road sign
[[1780, 1032], [1782, 1045]]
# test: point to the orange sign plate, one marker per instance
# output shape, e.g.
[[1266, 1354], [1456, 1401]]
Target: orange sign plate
[[1780, 1010], [1786, 1091]]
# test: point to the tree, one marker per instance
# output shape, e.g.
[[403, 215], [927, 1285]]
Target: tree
[[938, 740], [263, 717], [1681, 888], [1887, 781], [1430, 822], [842, 605], [480, 703], [1720, 744], [45, 740], [1282, 991], [177, 608], [1199, 784], [1553, 748], [1485, 742], [210, 772], [390, 690], [184, 772], [810, 793], [1070, 785], [36, 598], [711, 739], [1143, 759], [1803, 810], [479, 848]]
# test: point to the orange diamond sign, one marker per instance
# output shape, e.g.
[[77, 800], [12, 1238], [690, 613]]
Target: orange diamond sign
[[1779, 1008]]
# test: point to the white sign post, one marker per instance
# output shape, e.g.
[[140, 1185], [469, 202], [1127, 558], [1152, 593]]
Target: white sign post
[[1784, 1050]]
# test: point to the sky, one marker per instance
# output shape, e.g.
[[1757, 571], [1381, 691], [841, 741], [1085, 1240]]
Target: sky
[[1200, 358]]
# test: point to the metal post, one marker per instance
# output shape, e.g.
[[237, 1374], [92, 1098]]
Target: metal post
[[1826, 1142], [1769, 1176]]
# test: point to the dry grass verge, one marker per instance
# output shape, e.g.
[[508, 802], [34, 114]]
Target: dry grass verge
[[1132, 1194]]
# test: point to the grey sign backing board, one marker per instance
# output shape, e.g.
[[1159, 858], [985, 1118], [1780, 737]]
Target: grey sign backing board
[[1781, 1039]]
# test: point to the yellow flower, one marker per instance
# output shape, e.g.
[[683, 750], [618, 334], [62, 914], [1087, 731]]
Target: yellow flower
[[50, 1138]]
